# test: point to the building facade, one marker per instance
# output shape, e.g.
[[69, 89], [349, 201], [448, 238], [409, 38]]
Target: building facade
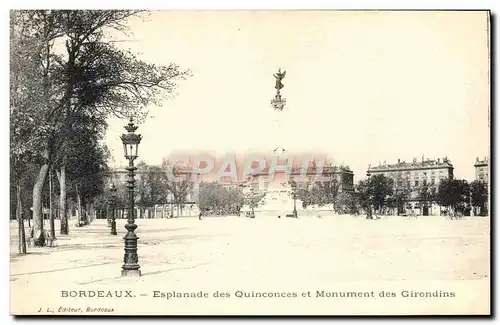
[[344, 175], [481, 167], [412, 176]]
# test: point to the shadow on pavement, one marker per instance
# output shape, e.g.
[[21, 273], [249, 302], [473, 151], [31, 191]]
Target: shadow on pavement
[[146, 274], [63, 269], [140, 230]]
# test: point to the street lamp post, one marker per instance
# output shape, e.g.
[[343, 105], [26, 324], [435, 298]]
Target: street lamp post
[[369, 211], [295, 207], [294, 190], [113, 204], [130, 146]]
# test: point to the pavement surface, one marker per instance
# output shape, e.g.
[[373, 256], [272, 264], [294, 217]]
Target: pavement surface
[[229, 254]]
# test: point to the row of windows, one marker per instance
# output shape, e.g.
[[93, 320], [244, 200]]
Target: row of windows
[[415, 174], [416, 178], [417, 183]]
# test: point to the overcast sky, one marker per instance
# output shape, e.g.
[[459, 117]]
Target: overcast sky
[[361, 87]]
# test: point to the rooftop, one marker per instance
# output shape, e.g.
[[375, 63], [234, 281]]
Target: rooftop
[[311, 170], [423, 163], [483, 162]]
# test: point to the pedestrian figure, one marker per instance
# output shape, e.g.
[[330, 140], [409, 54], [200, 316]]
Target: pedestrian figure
[[199, 216]]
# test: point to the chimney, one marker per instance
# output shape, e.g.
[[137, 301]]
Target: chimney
[[439, 160], [399, 161]]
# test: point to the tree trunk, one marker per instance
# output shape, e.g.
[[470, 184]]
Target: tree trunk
[[79, 204], [86, 208], [20, 221], [51, 210], [63, 209], [89, 212], [27, 213], [38, 232]]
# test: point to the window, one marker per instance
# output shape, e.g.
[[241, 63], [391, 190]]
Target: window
[[425, 182], [416, 182]]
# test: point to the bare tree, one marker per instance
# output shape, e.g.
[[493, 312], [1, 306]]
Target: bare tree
[[92, 77]]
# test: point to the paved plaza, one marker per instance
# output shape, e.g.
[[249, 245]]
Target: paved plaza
[[224, 253]]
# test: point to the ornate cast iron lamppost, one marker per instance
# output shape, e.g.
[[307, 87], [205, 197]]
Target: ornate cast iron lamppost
[[113, 204], [130, 146]]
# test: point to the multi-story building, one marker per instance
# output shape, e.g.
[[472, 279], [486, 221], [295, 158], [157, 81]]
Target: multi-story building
[[344, 175], [412, 176], [481, 167]]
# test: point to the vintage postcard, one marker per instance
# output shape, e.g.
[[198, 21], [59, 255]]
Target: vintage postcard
[[250, 162]]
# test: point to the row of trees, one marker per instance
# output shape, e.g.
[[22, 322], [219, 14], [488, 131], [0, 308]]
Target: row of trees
[[379, 192], [455, 195], [383, 192], [217, 199], [67, 78], [154, 187]]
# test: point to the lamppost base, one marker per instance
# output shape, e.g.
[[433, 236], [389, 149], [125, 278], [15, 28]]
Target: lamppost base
[[132, 273]]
